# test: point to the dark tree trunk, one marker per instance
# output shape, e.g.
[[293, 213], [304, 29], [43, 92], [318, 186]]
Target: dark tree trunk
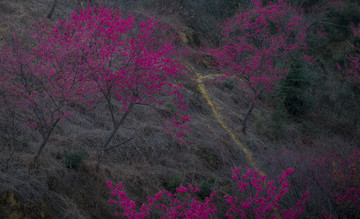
[[113, 132], [45, 138], [244, 123], [51, 12], [42, 145]]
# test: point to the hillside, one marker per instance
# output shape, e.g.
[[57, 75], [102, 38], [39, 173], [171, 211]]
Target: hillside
[[309, 121]]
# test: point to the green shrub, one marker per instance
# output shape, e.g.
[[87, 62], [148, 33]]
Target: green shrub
[[74, 158], [173, 183], [297, 105], [52, 182], [171, 108], [309, 128], [206, 186], [277, 123], [228, 84], [260, 125], [292, 91]]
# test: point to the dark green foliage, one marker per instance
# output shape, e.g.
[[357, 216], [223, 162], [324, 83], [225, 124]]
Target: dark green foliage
[[296, 105], [74, 158], [205, 15], [342, 17], [173, 183], [260, 125], [228, 84], [52, 182], [206, 186], [335, 21], [277, 121], [220, 8], [292, 91], [171, 108], [309, 128]]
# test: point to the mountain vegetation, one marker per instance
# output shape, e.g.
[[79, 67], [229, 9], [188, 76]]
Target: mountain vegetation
[[180, 109]]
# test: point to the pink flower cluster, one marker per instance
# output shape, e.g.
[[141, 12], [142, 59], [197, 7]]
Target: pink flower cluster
[[182, 204], [262, 202]]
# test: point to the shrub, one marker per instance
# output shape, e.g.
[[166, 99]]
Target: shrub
[[260, 125], [206, 187], [228, 84], [171, 108], [292, 91], [173, 183], [52, 182], [74, 158], [277, 121], [309, 128]]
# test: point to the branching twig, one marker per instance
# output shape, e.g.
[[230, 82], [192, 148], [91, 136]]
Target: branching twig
[[118, 144]]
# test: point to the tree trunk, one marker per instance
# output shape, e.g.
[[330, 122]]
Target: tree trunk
[[113, 132], [244, 124], [51, 12], [42, 145], [45, 138]]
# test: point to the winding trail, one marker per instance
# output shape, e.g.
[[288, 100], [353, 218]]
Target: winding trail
[[200, 83]]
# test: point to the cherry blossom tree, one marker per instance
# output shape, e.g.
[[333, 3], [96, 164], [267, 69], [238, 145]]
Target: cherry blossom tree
[[128, 62], [95, 55], [131, 64], [257, 44], [36, 79]]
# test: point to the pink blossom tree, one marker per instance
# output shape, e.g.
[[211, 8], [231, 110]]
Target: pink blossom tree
[[257, 44], [128, 61], [95, 55], [37, 80], [263, 197]]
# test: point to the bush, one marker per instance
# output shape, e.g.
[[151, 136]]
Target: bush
[[292, 91], [173, 183], [228, 84], [309, 128], [277, 121], [74, 158], [171, 108], [206, 187], [260, 125]]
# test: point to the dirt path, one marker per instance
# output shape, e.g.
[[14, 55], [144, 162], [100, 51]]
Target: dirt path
[[200, 83]]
